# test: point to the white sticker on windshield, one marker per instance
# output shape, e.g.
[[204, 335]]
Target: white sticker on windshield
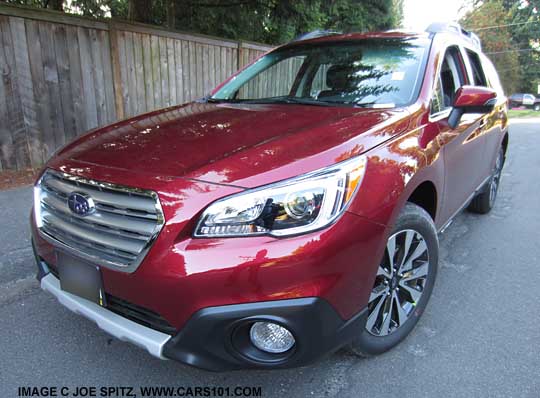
[[398, 75]]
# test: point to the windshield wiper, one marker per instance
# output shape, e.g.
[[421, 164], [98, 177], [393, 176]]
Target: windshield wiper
[[219, 100], [364, 104], [289, 100], [311, 101]]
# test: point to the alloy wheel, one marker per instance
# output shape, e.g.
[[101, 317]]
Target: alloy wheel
[[495, 179], [400, 282]]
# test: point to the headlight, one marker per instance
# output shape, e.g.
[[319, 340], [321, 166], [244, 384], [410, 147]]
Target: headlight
[[294, 206]]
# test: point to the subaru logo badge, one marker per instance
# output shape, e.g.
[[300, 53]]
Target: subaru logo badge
[[80, 204]]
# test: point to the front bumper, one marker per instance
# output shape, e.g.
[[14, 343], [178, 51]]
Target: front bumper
[[215, 338]]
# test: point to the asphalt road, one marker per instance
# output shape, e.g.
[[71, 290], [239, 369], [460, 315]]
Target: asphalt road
[[480, 336]]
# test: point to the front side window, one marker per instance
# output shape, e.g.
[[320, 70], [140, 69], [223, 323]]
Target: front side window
[[449, 80], [383, 72]]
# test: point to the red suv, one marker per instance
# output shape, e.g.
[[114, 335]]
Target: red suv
[[293, 211]]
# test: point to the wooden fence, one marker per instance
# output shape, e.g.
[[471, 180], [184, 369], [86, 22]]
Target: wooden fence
[[62, 75]]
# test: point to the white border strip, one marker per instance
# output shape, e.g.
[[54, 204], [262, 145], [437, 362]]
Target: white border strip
[[116, 325]]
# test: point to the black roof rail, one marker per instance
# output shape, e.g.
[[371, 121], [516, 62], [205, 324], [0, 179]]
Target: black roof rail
[[315, 34]]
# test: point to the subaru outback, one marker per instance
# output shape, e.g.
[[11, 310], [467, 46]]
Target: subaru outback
[[293, 211]]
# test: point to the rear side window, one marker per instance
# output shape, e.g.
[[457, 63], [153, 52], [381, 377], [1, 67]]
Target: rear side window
[[479, 78]]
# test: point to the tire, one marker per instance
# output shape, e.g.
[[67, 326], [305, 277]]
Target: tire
[[484, 201], [537, 107], [385, 329]]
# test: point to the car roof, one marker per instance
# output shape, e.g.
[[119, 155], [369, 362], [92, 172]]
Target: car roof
[[452, 31], [360, 36]]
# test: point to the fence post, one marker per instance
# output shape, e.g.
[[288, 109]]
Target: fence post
[[240, 57], [117, 75]]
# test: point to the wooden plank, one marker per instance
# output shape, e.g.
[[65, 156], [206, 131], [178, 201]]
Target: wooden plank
[[171, 60], [179, 73], [260, 48], [156, 31], [99, 77], [211, 70], [26, 137], [148, 80], [140, 102], [164, 71], [87, 73], [75, 77], [64, 81], [156, 72], [206, 70], [52, 83], [7, 149], [221, 65], [124, 77], [231, 61], [240, 55], [199, 68], [45, 141], [108, 78], [131, 82], [116, 73], [186, 70], [10, 106]]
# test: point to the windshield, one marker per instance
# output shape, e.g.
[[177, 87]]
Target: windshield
[[378, 72]]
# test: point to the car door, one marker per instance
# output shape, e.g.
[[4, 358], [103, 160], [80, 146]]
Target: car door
[[528, 99], [462, 152]]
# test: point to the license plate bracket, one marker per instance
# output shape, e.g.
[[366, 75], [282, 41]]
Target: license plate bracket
[[80, 278]]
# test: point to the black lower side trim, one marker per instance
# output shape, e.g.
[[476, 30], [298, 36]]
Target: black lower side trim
[[214, 338]]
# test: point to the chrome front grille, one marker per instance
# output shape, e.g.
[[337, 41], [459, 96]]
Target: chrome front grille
[[116, 234]]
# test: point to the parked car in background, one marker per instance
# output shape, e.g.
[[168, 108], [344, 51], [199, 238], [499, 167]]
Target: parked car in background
[[293, 211], [527, 100]]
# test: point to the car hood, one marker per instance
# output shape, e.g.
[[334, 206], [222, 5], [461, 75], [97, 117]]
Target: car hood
[[236, 144]]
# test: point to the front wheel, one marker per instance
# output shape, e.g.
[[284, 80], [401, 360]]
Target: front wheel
[[537, 107], [403, 284]]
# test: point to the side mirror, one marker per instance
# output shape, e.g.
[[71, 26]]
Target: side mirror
[[471, 99]]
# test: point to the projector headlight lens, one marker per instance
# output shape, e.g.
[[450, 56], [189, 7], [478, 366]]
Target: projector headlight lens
[[294, 206]]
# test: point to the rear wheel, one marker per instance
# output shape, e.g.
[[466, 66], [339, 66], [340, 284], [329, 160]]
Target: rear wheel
[[403, 284], [485, 200], [537, 107]]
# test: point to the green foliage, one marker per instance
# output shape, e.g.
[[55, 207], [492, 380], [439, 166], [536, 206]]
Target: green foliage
[[516, 26], [274, 22], [496, 41], [522, 113], [527, 36], [267, 21]]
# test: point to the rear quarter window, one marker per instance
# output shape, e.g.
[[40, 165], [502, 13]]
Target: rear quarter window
[[478, 76], [492, 76]]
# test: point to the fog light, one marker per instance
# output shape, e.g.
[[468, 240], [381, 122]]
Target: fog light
[[271, 337]]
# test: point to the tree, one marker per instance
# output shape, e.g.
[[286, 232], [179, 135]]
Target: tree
[[510, 31], [496, 43], [526, 35], [268, 21]]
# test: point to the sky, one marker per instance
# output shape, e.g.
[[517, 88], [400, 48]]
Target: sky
[[418, 14]]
